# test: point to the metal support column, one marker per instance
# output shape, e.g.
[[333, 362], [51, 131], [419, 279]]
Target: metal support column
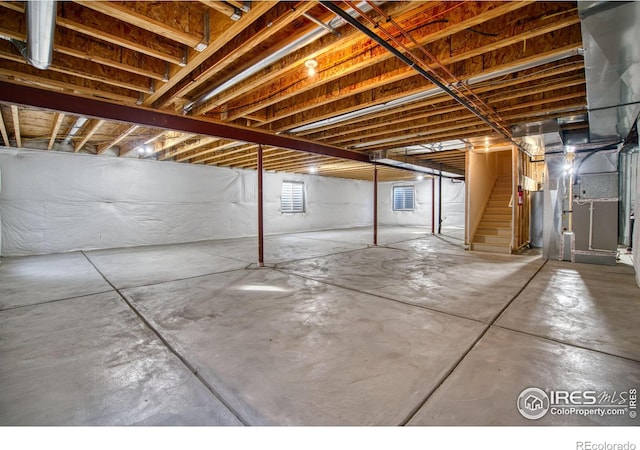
[[260, 211], [375, 205], [433, 205], [440, 202]]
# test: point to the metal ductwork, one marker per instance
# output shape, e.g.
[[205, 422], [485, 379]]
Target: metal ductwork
[[276, 56], [41, 24], [610, 36]]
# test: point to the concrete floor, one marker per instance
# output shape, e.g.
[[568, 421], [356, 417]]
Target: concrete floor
[[333, 332]]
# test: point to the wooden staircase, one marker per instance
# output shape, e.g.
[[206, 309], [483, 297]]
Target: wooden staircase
[[494, 231]]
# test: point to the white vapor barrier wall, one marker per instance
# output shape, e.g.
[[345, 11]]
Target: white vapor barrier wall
[[452, 204], [330, 203], [53, 202]]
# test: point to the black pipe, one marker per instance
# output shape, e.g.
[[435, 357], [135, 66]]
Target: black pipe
[[398, 54]]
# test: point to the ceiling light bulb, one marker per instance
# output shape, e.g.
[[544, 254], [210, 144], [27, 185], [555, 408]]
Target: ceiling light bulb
[[148, 149], [140, 150], [311, 65], [420, 177], [313, 169]]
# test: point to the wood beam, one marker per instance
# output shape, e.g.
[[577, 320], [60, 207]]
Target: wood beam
[[126, 12], [221, 7], [220, 33], [83, 69], [293, 60], [87, 48], [88, 107], [122, 134], [187, 148], [272, 22], [55, 128], [3, 130], [375, 95], [106, 28], [414, 110], [452, 114], [17, 72], [365, 54], [15, 115], [393, 72], [172, 140], [91, 127]]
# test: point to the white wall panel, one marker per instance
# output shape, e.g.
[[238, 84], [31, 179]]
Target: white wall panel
[[53, 202]]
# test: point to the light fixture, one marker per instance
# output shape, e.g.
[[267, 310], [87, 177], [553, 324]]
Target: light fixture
[[311, 65], [420, 177], [148, 149], [313, 169], [140, 150]]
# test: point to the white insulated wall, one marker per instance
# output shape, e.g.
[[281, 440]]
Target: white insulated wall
[[452, 204], [52, 202]]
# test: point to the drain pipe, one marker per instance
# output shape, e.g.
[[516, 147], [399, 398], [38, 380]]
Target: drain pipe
[[41, 24]]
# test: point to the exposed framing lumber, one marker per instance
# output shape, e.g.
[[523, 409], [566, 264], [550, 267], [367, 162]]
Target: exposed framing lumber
[[91, 130], [55, 128], [126, 14], [181, 150], [15, 116], [3, 130], [221, 7], [169, 53], [274, 21], [71, 43], [56, 101], [472, 15], [122, 135], [217, 37]]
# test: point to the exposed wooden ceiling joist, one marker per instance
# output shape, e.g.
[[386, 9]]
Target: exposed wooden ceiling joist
[[3, 130], [15, 116], [55, 128], [525, 55]]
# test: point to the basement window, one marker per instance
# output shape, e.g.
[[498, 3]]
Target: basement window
[[292, 197], [403, 198]]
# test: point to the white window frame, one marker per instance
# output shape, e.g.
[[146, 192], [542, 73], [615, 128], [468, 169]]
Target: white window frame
[[405, 189], [292, 197]]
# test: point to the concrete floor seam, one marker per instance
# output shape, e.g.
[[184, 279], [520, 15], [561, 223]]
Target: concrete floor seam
[[557, 341], [166, 281], [11, 308], [171, 349], [395, 300], [471, 347]]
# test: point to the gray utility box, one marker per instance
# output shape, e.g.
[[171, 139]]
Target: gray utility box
[[595, 218]]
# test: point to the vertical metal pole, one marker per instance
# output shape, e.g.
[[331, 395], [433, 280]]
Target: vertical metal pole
[[375, 204], [440, 201], [260, 212], [433, 205]]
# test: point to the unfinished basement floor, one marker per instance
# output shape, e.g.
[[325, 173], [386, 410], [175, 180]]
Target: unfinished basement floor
[[333, 331]]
